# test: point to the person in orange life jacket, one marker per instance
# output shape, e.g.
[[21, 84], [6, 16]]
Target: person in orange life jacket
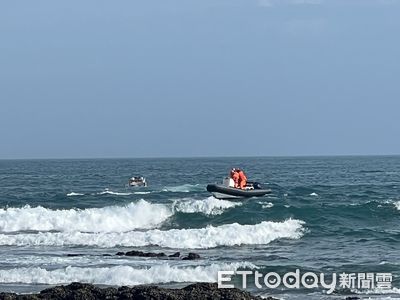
[[242, 179], [239, 178], [235, 177]]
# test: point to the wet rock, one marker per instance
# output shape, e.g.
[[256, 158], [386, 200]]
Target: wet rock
[[191, 256], [74, 254], [176, 254], [75, 291], [144, 254]]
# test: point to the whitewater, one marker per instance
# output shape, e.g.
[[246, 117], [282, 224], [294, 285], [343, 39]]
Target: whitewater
[[135, 215], [208, 237], [65, 220]]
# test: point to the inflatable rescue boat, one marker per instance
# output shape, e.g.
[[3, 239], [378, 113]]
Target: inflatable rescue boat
[[228, 191]]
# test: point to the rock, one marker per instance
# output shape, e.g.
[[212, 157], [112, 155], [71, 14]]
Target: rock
[[144, 254], [9, 296], [191, 256], [81, 291], [176, 254]]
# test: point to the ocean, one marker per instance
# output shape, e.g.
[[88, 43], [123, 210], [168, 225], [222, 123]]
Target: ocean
[[63, 221]]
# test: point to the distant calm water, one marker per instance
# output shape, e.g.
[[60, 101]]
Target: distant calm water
[[328, 214]]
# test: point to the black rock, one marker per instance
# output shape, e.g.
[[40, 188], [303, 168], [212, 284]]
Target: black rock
[[176, 254], [144, 254], [81, 291], [191, 256]]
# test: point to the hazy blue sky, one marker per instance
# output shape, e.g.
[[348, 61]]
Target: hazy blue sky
[[199, 78]]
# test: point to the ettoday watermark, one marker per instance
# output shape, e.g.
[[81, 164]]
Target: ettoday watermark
[[308, 280]]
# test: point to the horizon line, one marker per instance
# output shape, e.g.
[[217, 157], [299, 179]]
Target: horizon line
[[207, 156]]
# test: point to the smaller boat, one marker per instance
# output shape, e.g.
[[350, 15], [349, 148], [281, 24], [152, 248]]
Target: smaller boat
[[226, 190], [137, 181]]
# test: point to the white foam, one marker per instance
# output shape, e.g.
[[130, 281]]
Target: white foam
[[378, 291], [209, 206], [74, 194], [109, 192], [141, 214], [209, 237], [266, 204], [118, 275], [397, 205], [81, 260], [314, 194], [32, 260], [185, 188]]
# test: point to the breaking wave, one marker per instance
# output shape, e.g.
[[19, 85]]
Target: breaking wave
[[209, 206], [397, 205], [118, 275], [209, 237], [137, 215]]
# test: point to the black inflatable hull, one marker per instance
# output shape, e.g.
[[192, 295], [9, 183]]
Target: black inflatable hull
[[224, 192]]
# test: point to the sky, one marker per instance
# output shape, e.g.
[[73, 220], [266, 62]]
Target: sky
[[177, 78]]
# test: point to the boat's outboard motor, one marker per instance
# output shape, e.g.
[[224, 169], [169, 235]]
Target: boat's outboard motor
[[257, 186]]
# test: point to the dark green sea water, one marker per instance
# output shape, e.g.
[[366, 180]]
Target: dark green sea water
[[326, 215]]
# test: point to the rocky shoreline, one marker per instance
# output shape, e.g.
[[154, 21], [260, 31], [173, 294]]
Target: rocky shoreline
[[196, 291], [83, 291]]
